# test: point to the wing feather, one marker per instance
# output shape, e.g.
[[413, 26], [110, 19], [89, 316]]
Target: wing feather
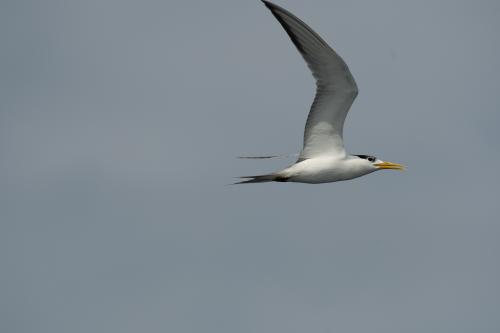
[[335, 87]]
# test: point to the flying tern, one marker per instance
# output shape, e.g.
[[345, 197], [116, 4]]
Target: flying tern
[[323, 158]]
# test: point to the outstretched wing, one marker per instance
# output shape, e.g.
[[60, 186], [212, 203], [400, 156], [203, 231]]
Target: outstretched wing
[[335, 87]]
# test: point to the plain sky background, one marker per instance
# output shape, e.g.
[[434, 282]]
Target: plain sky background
[[119, 126]]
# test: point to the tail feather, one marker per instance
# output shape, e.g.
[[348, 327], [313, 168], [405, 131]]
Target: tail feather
[[259, 179], [268, 156], [258, 157]]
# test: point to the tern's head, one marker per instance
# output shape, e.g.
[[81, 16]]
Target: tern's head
[[375, 164]]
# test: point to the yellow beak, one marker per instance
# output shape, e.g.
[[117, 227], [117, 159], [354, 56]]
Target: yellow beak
[[390, 165]]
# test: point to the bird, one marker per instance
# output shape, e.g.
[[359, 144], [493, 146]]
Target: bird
[[323, 158]]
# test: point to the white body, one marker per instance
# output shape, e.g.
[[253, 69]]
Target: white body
[[326, 169]]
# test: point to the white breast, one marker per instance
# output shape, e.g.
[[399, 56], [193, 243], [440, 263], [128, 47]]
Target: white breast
[[326, 170]]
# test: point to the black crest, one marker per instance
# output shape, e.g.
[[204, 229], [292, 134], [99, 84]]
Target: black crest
[[367, 157]]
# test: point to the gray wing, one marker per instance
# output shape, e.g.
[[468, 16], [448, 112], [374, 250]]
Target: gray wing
[[335, 87]]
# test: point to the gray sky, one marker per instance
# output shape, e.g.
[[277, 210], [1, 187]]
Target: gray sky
[[119, 124]]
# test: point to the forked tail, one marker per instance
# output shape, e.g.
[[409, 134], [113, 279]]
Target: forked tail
[[263, 179], [268, 156], [258, 179]]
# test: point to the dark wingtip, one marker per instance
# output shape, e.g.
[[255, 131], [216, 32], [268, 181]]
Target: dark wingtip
[[269, 4]]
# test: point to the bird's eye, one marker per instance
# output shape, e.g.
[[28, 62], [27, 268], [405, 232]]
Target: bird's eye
[[367, 157]]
